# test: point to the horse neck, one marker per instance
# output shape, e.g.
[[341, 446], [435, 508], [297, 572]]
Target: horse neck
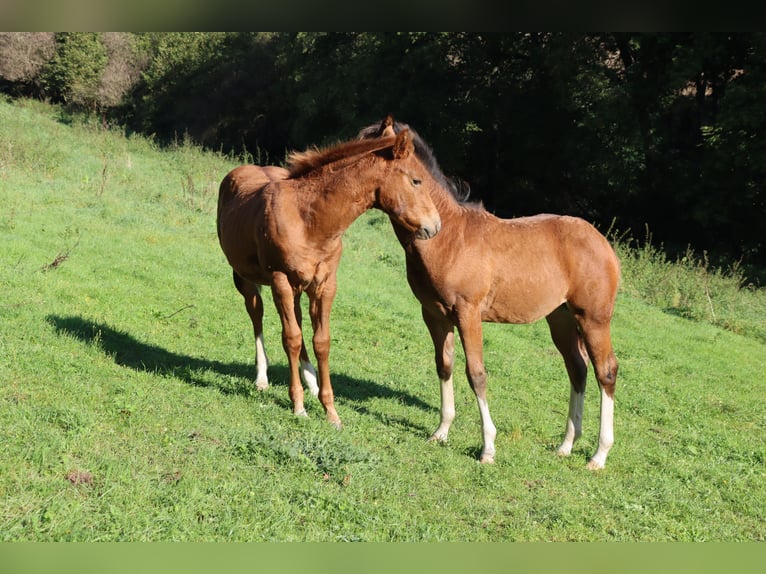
[[333, 200], [445, 203], [452, 215], [450, 211]]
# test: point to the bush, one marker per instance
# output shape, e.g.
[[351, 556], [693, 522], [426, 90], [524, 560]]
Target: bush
[[73, 75]]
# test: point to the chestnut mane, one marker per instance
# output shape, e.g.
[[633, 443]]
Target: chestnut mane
[[303, 162]]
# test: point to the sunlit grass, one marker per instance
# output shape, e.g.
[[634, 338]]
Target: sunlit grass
[[128, 410]]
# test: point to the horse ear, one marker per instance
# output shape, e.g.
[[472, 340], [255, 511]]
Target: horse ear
[[403, 145], [387, 127]]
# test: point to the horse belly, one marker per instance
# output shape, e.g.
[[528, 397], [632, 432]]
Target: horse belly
[[522, 301]]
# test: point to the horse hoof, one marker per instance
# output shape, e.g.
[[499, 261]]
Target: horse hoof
[[337, 424], [594, 465], [261, 385], [302, 414], [487, 459]]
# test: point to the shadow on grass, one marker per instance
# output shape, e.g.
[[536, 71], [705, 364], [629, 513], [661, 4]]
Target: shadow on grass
[[228, 378]]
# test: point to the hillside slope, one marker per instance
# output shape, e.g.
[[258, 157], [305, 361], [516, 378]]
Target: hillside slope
[[128, 412]]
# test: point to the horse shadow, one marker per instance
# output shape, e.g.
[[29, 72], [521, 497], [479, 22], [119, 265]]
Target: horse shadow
[[228, 378]]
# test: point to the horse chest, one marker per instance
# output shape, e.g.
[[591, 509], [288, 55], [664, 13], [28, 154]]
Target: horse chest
[[306, 268]]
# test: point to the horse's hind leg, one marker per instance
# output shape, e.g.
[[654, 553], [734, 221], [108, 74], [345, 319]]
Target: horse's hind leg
[[570, 344], [598, 341], [254, 305], [443, 336], [308, 374]]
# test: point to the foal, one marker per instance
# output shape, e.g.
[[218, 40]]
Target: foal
[[284, 229], [483, 268]]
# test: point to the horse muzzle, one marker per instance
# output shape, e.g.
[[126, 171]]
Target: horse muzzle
[[429, 231]]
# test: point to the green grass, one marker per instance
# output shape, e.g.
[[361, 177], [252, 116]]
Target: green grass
[[128, 410], [690, 287]]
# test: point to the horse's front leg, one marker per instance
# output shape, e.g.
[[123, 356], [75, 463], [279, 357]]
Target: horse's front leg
[[292, 338], [320, 305], [470, 329], [443, 336]]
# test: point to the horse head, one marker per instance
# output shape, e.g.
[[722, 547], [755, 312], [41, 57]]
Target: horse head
[[403, 195]]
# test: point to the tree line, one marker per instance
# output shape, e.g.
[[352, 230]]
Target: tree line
[[657, 131]]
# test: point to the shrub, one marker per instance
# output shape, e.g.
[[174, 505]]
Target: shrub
[[73, 75]]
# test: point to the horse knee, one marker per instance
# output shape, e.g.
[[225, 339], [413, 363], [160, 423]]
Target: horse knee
[[292, 343], [321, 345]]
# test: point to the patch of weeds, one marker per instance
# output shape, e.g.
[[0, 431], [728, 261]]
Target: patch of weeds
[[197, 198], [60, 258], [388, 259], [65, 419], [329, 455], [8, 220]]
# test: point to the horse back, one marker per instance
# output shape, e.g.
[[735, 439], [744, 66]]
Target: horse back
[[244, 181], [547, 260], [515, 270], [248, 179]]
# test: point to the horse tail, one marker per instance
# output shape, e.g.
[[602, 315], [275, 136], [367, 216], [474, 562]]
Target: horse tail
[[226, 191]]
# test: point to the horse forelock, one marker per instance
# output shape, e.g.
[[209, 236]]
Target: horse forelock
[[458, 188], [303, 162]]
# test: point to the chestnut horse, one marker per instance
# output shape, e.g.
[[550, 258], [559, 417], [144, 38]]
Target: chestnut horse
[[483, 268], [284, 228]]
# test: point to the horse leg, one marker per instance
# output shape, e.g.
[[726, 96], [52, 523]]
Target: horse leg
[[292, 338], [320, 304], [598, 342], [254, 304], [569, 343], [308, 374], [470, 329], [443, 336]]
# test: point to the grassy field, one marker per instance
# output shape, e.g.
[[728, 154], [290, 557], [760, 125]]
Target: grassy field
[[128, 410]]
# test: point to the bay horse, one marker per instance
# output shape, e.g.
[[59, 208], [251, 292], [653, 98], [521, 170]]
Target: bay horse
[[484, 268], [284, 228]]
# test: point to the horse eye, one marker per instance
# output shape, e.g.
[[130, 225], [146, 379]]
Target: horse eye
[[417, 181]]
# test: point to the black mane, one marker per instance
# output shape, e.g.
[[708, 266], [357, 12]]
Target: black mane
[[458, 188]]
